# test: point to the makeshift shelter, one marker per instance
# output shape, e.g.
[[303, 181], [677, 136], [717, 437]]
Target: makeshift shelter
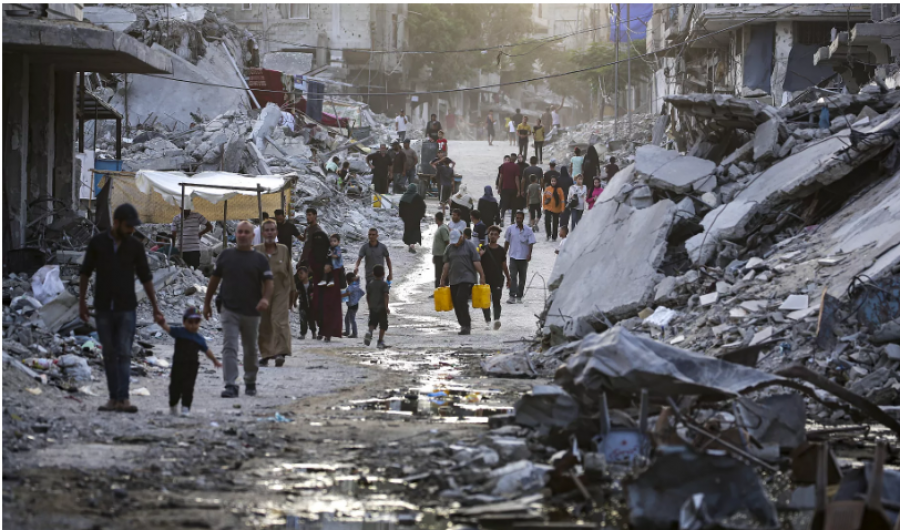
[[161, 195]]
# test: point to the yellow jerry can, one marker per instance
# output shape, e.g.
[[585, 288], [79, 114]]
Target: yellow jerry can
[[443, 301], [481, 296]]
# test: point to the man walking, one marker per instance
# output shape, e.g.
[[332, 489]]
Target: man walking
[[519, 243], [380, 164], [400, 123], [375, 253], [116, 256], [524, 131], [286, 231], [533, 169], [432, 128], [247, 285], [517, 117], [489, 127], [438, 246], [510, 188], [190, 238], [461, 262], [398, 168], [493, 261], [412, 162]]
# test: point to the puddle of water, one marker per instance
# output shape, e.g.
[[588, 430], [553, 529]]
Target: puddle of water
[[451, 404]]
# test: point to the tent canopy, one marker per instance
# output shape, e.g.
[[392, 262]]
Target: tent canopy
[[224, 185]]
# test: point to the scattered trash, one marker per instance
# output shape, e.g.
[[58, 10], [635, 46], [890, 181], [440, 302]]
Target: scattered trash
[[277, 418], [140, 392]]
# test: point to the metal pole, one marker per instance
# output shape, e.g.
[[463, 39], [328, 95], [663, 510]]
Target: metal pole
[[225, 226], [259, 204], [616, 86], [81, 116], [181, 235], [628, 94], [118, 138], [282, 200]]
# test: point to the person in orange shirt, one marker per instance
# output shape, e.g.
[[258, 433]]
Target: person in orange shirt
[[554, 204]]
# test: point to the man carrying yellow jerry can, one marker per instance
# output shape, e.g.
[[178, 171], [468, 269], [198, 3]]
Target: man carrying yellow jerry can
[[461, 262]]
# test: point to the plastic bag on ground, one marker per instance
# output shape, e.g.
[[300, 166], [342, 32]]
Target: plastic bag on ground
[[45, 284]]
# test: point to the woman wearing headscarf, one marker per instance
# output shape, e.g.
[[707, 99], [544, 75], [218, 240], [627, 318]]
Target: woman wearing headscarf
[[554, 203], [275, 323], [412, 210], [565, 182], [327, 308], [595, 193], [464, 202], [590, 168], [489, 207]]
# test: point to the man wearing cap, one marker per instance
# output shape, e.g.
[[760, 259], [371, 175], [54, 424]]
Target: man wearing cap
[[412, 162], [398, 168], [247, 284], [286, 231], [550, 173], [380, 164], [116, 256], [461, 262], [189, 242]]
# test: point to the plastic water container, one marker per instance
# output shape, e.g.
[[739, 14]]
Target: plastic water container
[[443, 301], [481, 296]]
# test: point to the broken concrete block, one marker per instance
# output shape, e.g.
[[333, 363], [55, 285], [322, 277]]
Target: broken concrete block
[[737, 313], [665, 288], [709, 298], [755, 263], [795, 302], [740, 154], [725, 222], [685, 209], [710, 199], [706, 184], [765, 142], [642, 197], [680, 174], [762, 335], [649, 158], [754, 305], [722, 329], [892, 351], [645, 313], [619, 283], [723, 287]]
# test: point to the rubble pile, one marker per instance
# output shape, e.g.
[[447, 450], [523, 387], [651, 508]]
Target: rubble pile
[[561, 144], [771, 243]]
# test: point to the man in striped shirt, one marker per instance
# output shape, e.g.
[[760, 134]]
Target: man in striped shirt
[[190, 253]]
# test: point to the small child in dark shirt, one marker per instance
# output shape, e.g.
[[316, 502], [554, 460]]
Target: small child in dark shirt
[[304, 301], [185, 363], [378, 298]]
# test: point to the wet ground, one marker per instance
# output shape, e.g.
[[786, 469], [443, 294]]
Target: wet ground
[[336, 438]]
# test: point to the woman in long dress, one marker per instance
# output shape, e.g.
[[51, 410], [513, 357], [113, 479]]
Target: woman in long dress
[[275, 325], [412, 210], [327, 291]]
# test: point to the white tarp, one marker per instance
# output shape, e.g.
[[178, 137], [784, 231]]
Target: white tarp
[[168, 184]]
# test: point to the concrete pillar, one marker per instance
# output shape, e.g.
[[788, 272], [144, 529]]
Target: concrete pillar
[[784, 41], [41, 140], [64, 181], [15, 144]]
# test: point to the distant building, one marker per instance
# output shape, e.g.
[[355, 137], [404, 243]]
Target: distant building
[[740, 49], [332, 41]]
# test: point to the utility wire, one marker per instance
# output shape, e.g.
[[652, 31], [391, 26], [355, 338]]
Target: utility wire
[[682, 45]]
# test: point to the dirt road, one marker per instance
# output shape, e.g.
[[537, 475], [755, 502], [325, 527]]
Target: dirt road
[[232, 465]]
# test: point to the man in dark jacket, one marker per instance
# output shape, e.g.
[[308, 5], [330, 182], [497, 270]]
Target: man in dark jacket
[[380, 164], [398, 168]]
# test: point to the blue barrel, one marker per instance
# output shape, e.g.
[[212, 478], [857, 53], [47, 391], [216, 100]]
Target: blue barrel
[[109, 165]]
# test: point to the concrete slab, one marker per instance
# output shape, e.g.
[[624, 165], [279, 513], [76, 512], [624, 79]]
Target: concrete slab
[[795, 302], [620, 279], [765, 142], [727, 221], [173, 101], [649, 158], [669, 170]]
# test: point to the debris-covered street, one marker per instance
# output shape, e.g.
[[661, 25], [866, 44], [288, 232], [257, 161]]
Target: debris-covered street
[[550, 266]]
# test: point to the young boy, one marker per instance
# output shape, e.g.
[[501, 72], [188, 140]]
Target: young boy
[[304, 295], [378, 298], [336, 260], [534, 193], [185, 362], [563, 232], [479, 229], [352, 295]]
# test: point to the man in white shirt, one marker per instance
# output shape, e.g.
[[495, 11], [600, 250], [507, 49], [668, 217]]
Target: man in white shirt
[[456, 221], [257, 233], [400, 123], [519, 243]]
